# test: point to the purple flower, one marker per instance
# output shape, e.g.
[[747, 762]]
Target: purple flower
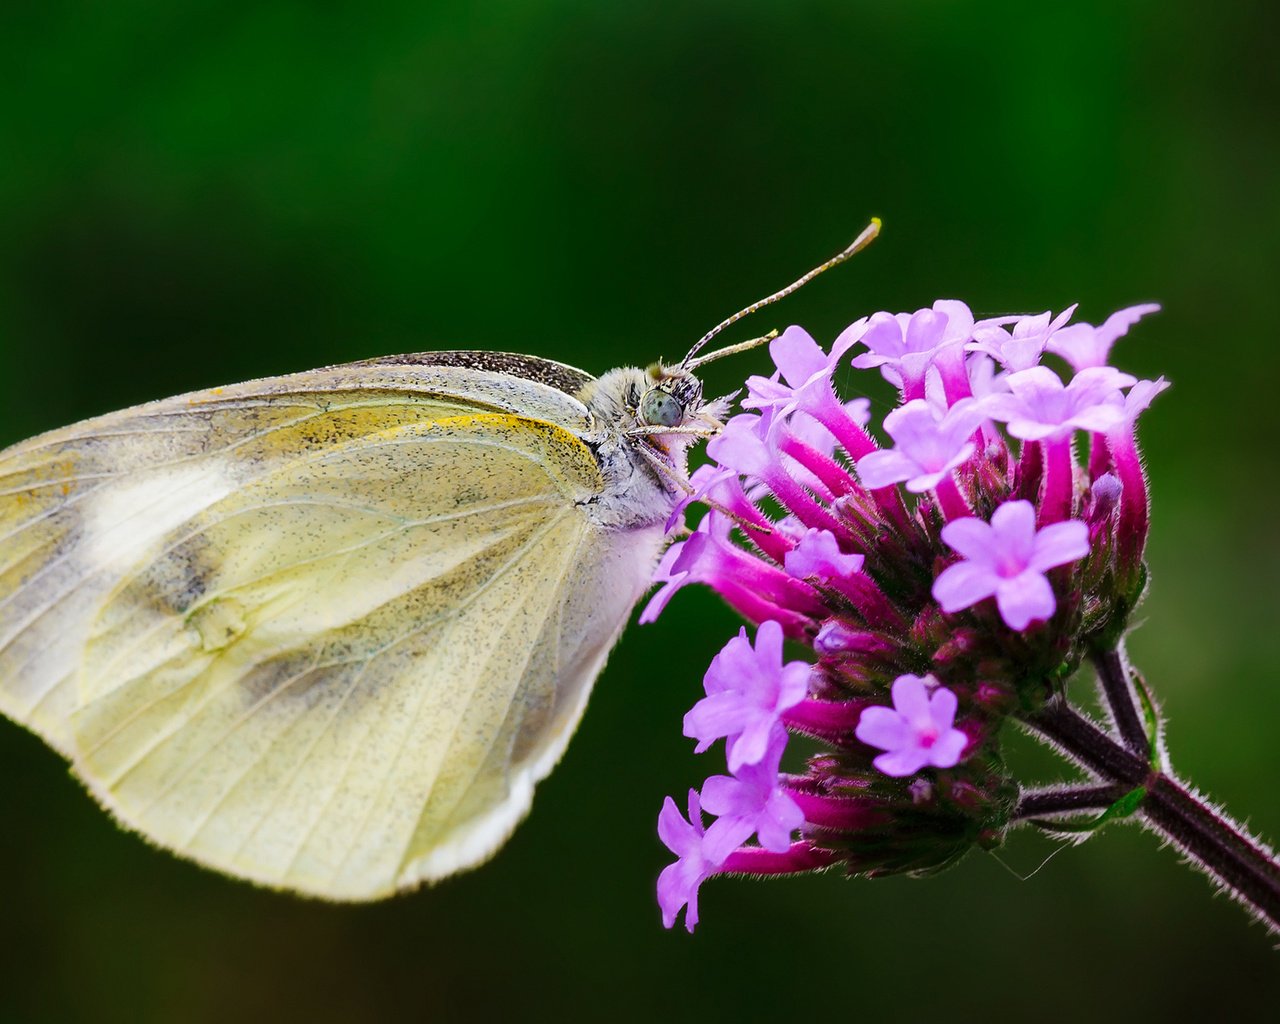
[[742, 447], [818, 556], [984, 378], [905, 345], [747, 691], [1040, 407], [814, 534], [806, 370], [1140, 397], [750, 445], [1008, 559], [754, 587], [928, 444], [1021, 348], [688, 840], [918, 731], [752, 802], [678, 564], [1085, 346]]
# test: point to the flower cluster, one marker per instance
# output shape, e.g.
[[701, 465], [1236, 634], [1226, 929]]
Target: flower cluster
[[940, 582]]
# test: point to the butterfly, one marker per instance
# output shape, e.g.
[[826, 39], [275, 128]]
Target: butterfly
[[325, 632]]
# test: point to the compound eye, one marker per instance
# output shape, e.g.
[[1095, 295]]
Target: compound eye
[[659, 409]]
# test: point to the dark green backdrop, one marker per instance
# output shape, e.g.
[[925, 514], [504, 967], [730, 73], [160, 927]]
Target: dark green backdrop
[[193, 193]]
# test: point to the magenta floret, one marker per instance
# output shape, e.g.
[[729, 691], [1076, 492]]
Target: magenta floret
[[1007, 559], [918, 731]]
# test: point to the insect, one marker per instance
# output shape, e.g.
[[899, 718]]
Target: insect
[[325, 632]]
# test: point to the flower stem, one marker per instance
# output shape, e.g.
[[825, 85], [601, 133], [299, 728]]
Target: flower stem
[[1116, 680], [1037, 803], [1237, 862]]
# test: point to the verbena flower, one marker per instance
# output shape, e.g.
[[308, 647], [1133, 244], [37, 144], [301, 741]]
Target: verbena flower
[[938, 586], [1039, 406], [1008, 559], [906, 345], [928, 444], [679, 882], [747, 691], [752, 802], [1021, 346], [918, 731], [1085, 346]]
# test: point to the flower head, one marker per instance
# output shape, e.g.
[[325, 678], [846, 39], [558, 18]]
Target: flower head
[[918, 731], [864, 556], [1007, 559]]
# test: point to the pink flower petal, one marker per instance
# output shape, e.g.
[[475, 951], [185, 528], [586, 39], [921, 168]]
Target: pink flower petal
[[945, 753], [1024, 599], [881, 727], [1059, 544], [884, 468], [1015, 523], [901, 763], [911, 700], [942, 709], [973, 538], [798, 356], [963, 585]]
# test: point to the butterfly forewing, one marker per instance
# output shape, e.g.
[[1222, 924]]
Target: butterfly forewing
[[79, 504]]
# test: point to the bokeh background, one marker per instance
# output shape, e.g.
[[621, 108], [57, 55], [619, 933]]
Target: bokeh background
[[201, 192]]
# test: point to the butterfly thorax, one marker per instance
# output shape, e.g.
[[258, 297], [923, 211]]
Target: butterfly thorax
[[644, 424]]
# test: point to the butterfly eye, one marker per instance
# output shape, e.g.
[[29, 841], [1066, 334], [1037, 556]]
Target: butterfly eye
[[659, 409]]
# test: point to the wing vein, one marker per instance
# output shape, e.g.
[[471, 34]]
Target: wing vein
[[537, 536], [557, 609]]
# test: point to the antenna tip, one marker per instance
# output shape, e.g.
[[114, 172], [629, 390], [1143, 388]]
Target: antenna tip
[[876, 224]]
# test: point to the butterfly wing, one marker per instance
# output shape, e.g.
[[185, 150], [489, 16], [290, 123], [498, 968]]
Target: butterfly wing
[[341, 672], [79, 505]]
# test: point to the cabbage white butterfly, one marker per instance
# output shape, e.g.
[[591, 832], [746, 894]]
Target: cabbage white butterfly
[[325, 632]]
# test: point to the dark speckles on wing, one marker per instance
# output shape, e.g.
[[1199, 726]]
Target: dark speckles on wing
[[544, 371]]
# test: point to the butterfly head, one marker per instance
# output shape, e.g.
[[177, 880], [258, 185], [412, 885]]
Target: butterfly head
[[670, 402]]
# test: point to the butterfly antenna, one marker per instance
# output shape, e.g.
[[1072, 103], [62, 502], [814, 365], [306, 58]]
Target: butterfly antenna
[[729, 350], [859, 243]]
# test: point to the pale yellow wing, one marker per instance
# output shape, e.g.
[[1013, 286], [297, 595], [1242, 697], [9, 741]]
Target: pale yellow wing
[[341, 671], [80, 505]]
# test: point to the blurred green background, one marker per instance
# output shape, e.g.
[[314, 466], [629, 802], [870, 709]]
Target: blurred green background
[[195, 193]]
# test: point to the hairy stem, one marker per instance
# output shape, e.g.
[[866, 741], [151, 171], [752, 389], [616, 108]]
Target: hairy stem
[[1037, 803], [1240, 864], [1116, 680]]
